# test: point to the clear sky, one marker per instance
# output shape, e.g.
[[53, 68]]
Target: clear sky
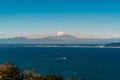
[[39, 18]]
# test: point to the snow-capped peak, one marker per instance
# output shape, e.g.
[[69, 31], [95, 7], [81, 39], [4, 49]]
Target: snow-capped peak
[[60, 33]]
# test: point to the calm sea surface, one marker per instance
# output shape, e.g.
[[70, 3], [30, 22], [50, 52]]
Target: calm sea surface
[[91, 63]]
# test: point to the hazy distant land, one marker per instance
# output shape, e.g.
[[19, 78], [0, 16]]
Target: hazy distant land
[[59, 39]]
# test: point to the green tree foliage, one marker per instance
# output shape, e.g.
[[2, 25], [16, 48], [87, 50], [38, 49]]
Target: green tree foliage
[[10, 72]]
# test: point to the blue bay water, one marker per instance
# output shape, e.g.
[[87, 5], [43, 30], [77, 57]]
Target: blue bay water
[[91, 63]]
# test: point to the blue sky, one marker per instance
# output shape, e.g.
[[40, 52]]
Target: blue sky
[[39, 18]]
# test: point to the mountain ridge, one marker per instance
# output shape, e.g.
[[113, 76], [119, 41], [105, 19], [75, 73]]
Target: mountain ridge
[[61, 39]]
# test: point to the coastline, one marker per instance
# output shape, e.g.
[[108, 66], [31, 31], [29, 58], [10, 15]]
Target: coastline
[[9, 72]]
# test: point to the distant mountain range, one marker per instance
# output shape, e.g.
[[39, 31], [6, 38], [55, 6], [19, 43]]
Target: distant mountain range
[[113, 44], [61, 39]]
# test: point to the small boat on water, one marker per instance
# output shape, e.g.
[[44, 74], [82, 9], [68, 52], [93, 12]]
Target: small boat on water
[[64, 58]]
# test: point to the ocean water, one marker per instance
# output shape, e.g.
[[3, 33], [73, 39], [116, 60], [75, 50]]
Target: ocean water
[[91, 63]]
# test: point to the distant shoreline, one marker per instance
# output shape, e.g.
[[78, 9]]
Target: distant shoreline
[[56, 46]]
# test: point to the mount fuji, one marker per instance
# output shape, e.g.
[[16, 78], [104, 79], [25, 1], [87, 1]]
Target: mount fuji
[[59, 38]]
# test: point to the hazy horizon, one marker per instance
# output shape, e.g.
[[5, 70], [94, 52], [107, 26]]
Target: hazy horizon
[[37, 19], [55, 34]]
